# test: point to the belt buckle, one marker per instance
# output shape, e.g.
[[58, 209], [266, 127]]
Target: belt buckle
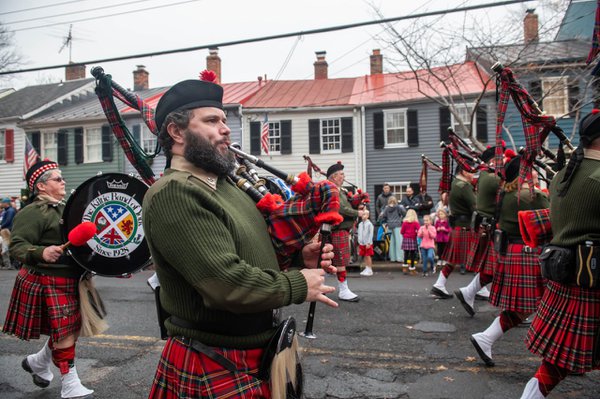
[[527, 249]]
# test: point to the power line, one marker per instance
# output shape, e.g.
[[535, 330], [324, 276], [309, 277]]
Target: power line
[[108, 15], [77, 12], [40, 7], [272, 37]]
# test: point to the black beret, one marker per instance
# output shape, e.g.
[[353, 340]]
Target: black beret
[[512, 169], [38, 169], [589, 128], [334, 168], [488, 154], [188, 94]]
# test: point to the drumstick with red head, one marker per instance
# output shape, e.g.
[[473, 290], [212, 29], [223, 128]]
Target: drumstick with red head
[[80, 234]]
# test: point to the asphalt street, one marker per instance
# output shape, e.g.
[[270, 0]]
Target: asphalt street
[[398, 341]]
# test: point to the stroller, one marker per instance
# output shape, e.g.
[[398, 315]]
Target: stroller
[[381, 243]]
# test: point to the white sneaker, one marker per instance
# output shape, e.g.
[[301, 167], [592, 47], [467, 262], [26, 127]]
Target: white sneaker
[[367, 272]]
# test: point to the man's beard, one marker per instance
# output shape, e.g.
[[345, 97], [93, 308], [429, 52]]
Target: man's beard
[[201, 153]]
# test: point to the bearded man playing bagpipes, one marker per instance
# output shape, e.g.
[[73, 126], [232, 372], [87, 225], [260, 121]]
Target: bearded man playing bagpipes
[[220, 276]]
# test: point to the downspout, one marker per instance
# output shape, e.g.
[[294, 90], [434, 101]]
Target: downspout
[[242, 124], [363, 149]]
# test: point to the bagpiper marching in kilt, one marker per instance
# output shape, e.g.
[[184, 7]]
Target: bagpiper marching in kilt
[[517, 283], [481, 257], [462, 205], [566, 328]]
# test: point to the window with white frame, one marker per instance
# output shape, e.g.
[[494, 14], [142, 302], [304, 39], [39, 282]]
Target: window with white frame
[[556, 96], [92, 144], [2, 145], [465, 112], [148, 139], [398, 189], [49, 145], [331, 135], [274, 138], [395, 127]]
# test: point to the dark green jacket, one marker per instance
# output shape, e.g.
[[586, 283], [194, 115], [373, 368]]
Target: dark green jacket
[[461, 202], [512, 204], [487, 190]]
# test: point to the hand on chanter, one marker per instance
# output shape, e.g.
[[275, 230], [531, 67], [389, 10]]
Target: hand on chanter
[[310, 254]]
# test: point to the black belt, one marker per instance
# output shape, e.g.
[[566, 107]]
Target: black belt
[[208, 351], [243, 325], [519, 241]]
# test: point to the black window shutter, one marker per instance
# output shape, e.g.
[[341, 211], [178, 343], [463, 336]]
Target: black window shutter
[[482, 126], [107, 148], [413, 128], [34, 138], [378, 140], [347, 135], [62, 147], [286, 137], [573, 97], [79, 145], [535, 90], [445, 122], [137, 133], [314, 136], [255, 138]]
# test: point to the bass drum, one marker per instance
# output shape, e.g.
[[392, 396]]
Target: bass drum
[[278, 186], [113, 201]]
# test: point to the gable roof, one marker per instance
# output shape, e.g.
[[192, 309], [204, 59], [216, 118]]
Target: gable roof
[[33, 99], [578, 21]]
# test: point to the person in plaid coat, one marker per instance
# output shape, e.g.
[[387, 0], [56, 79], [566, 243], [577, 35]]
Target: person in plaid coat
[[45, 298], [566, 329], [518, 284]]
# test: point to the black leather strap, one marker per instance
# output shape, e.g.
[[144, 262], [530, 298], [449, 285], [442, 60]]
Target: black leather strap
[[256, 324], [208, 351]]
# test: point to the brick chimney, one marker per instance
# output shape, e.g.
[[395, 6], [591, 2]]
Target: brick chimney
[[213, 62], [376, 62], [140, 78], [320, 65], [530, 26], [73, 72]]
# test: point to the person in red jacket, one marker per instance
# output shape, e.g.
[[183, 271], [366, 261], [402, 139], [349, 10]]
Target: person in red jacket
[[409, 229]]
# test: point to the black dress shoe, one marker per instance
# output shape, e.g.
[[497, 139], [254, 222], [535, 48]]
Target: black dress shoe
[[37, 380], [467, 307], [486, 359], [437, 292]]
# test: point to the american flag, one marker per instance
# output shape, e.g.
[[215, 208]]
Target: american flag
[[31, 157], [264, 135]]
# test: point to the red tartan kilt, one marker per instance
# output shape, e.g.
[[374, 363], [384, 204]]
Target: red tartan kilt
[[45, 305], [185, 373], [518, 284], [340, 240], [364, 251], [458, 246], [481, 257], [565, 325]]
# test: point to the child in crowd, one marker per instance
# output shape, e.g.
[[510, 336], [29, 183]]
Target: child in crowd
[[427, 235], [4, 243], [365, 243], [410, 227], [392, 215], [442, 228]]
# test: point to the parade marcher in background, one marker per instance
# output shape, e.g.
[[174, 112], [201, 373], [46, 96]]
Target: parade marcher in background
[[462, 205], [442, 236], [409, 230], [382, 200], [427, 235], [219, 274], [481, 258], [4, 243], [45, 298], [566, 328], [518, 284], [392, 215], [340, 234], [365, 243], [8, 214]]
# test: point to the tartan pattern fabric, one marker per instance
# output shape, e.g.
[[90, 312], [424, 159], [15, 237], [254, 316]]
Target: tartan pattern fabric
[[183, 372], [340, 239], [535, 227], [446, 178], [565, 326], [481, 256], [458, 246], [518, 284], [295, 222], [42, 304], [409, 244], [595, 38], [364, 251]]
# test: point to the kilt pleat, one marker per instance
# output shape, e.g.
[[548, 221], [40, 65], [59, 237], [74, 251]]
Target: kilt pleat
[[565, 326], [340, 240], [481, 256], [183, 372], [518, 284], [458, 246], [42, 304]]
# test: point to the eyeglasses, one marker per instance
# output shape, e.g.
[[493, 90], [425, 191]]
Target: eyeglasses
[[58, 179]]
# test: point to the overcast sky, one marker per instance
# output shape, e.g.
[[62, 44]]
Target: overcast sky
[[202, 22]]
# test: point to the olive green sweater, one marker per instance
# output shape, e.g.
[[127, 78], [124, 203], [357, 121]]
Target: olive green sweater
[[214, 258], [350, 214], [512, 204], [487, 190], [36, 227], [575, 217], [462, 202]]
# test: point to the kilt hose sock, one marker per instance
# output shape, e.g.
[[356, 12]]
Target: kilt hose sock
[[341, 275], [64, 358], [509, 319], [485, 279], [548, 376], [447, 269]]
